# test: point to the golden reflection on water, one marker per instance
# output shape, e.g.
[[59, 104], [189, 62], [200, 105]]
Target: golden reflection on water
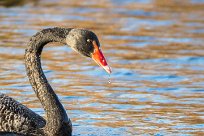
[[155, 49]]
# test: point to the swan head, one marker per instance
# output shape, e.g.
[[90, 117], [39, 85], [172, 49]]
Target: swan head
[[86, 43]]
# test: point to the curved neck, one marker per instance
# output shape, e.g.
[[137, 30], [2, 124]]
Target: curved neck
[[55, 112]]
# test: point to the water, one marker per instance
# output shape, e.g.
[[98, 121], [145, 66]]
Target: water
[[155, 49], [109, 79]]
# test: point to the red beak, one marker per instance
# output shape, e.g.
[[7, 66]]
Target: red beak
[[98, 57]]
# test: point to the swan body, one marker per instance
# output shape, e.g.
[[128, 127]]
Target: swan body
[[17, 117], [18, 120]]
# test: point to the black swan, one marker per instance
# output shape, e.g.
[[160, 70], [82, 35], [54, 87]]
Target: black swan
[[15, 118]]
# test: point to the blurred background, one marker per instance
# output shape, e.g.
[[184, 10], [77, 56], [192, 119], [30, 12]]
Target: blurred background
[[155, 49]]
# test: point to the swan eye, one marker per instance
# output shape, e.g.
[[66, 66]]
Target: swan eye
[[88, 40]]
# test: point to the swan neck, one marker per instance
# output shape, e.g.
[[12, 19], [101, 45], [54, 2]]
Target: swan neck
[[55, 113]]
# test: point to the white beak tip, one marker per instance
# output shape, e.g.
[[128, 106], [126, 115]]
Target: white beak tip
[[107, 69]]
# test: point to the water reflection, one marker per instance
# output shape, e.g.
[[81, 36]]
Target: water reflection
[[13, 3], [155, 49]]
